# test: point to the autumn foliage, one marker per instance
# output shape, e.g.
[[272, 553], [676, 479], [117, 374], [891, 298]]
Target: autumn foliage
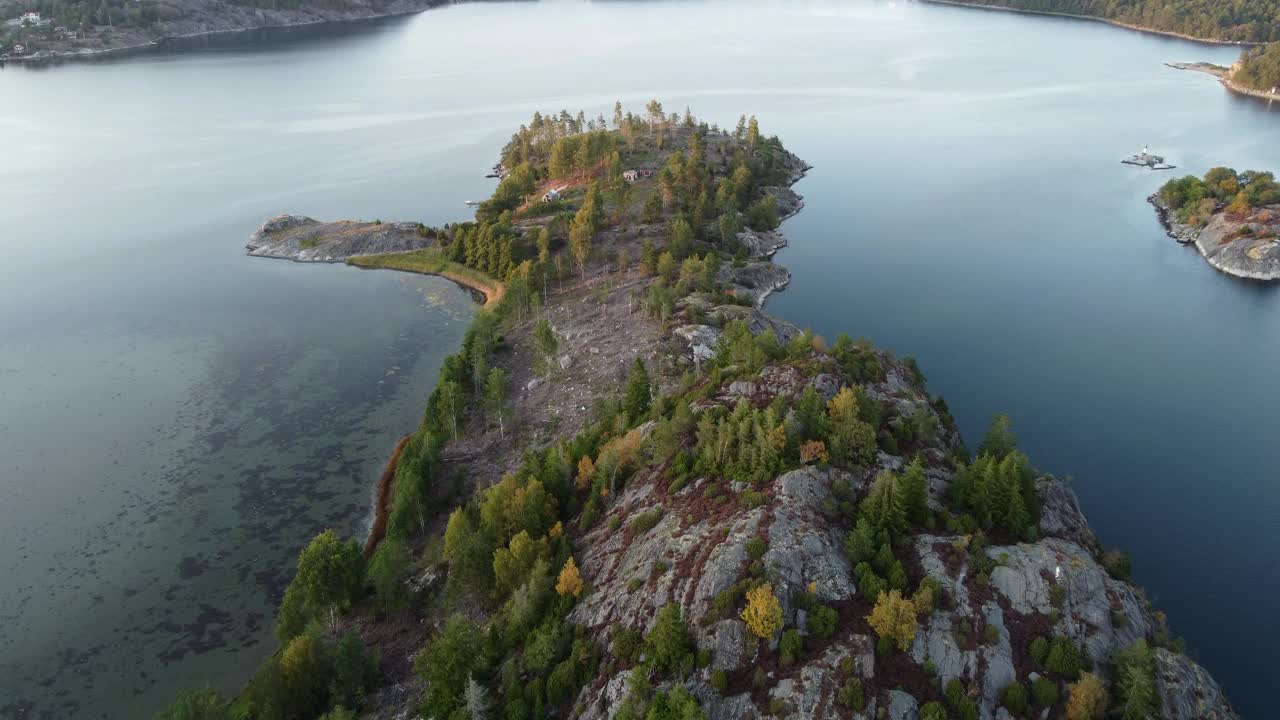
[[763, 613]]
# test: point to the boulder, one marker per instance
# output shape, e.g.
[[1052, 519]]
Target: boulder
[[903, 706]]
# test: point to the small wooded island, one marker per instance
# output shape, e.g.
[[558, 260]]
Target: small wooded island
[[634, 495], [1232, 218]]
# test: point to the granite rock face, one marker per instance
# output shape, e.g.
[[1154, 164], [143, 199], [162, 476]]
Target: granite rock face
[[1255, 255], [303, 239], [1247, 247], [1187, 691]]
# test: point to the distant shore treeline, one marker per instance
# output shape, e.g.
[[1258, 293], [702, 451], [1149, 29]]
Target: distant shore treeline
[[1240, 21]]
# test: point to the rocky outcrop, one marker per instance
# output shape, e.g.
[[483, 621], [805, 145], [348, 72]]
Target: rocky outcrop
[[1186, 690], [1060, 513], [302, 239], [1247, 247], [755, 280]]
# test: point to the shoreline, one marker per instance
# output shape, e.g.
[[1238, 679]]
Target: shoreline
[[1224, 77], [1091, 18], [175, 43], [382, 499], [492, 293]]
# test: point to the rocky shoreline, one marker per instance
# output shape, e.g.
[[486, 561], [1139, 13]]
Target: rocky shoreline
[[220, 24], [1242, 247], [303, 239]]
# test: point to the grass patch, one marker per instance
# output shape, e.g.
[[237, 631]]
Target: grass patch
[[430, 261]]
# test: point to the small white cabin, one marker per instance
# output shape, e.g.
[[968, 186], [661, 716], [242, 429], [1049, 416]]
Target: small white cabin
[[631, 176]]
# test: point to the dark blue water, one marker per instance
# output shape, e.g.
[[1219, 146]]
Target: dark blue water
[[177, 406]]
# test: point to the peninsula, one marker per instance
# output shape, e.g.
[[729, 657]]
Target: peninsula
[[1231, 218], [1243, 76], [634, 494]]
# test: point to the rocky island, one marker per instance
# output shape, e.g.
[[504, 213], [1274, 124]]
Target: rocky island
[[634, 494], [1232, 218]]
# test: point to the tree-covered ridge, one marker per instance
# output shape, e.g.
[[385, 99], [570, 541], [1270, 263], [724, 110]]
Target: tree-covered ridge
[[1235, 20], [1195, 200], [1258, 68]]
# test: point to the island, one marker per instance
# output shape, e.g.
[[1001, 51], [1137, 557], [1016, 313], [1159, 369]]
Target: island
[[635, 494], [1232, 219], [82, 30]]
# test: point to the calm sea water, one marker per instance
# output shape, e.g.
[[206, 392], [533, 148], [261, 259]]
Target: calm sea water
[[176, 419]]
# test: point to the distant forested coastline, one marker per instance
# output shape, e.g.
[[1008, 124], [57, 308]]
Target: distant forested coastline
[[1259, 68], [1241, 21]]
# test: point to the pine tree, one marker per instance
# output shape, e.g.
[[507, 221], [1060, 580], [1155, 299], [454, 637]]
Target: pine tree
[[915, 492], [883, 504], [477, 700], [999, 439], [681, 239], [860, 545], [495, 398], [617, 114], [544, 244], [753, 132], [639, 389]]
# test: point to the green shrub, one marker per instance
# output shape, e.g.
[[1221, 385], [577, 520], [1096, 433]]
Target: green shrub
[[752, 499], [626, 645], [759, 678], [933, 711], [790, 647], [822, 622], [645, 521], [1014, 698], [677, 485], [719, 681], [669, 641], [850, 694], [1039, 650], [756, 548], [634, 584], [958, 700], [1045, 692], [991, 635], [205, 704], [1064, 659]]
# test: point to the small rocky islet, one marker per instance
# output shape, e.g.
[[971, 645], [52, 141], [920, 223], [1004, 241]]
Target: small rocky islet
[[756, 468]]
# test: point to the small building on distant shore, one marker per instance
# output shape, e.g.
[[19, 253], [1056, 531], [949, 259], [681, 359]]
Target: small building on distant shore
[[631, 176], [30, 18], [19, 49], [551, 195]]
